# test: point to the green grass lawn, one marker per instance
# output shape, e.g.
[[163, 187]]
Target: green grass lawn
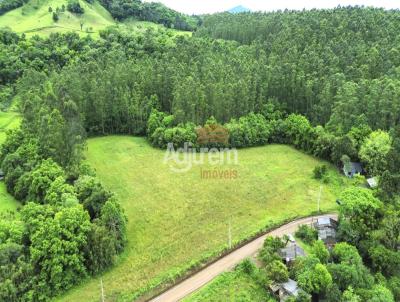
[[233, 286], [177, 220]]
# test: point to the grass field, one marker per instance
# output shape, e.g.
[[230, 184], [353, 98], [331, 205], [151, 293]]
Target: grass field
[[233, 286], [176, 220], [8, 120], [34, 18], [7, 202]]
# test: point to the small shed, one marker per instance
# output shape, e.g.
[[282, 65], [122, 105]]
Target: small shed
[[352, 169], [326, 228], [290, 253], [372, 182], [285, 290]]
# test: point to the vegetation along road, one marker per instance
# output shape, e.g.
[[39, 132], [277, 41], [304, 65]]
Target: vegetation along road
[[204, 276]]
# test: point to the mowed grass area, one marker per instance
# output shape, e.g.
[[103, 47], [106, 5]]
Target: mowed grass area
[[8, 120], [34, 18], [177, 220], [233, 286]]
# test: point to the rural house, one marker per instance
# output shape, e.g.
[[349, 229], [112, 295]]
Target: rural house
[[285, 290], [290, 253], [326, 228], [352, 168]]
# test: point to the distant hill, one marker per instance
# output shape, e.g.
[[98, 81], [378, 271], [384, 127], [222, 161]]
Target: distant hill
[[239, 9], [36, 18]]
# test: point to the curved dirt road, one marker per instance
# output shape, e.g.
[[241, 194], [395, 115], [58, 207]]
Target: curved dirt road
[[186, 287]]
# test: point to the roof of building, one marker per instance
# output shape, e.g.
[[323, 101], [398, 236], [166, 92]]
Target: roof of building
[[291, 287], [326, 233], [372, 182], [353, 168], [291, 252], [324, 222]]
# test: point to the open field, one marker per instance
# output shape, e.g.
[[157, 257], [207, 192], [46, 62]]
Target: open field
[[176, 220], [231, 287], [8, 120]]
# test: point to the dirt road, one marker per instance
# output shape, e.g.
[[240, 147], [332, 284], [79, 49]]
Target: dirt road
[[198, 280]]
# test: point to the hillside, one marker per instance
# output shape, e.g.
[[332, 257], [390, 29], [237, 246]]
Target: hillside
[[35, 18], [176, 220]]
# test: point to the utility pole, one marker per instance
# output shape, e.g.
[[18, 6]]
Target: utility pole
[[230, 235], [319, 199], [102, 290]]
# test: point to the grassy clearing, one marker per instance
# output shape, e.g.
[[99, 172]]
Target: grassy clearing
[[233, 286], [34, 18], [8, 120], [176, 220], [7, 202]]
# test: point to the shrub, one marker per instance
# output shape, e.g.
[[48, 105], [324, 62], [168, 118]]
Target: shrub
[[277, 271], [246, 266], [55, 17], [307, 234], [75, 7], [320, 171]]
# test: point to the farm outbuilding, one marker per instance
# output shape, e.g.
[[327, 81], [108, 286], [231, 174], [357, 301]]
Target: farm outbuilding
[[291, 252], [353, 168], [326, 228], [285, 290]]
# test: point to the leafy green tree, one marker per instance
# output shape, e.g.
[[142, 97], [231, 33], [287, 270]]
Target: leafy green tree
[[42, 177], [114, 220], [314, 277], [360, 213], [277, 271], [320, 251], [307, 234], [374, 151], [91, 194], [60, 193], [57, 247], [350, 296], [100, 249], [378, 293]]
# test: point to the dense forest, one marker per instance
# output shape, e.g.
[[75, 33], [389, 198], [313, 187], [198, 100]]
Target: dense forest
[[324, 81]]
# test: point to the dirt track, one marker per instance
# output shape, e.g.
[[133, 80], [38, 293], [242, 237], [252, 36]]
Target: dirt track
[[198, 280]]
